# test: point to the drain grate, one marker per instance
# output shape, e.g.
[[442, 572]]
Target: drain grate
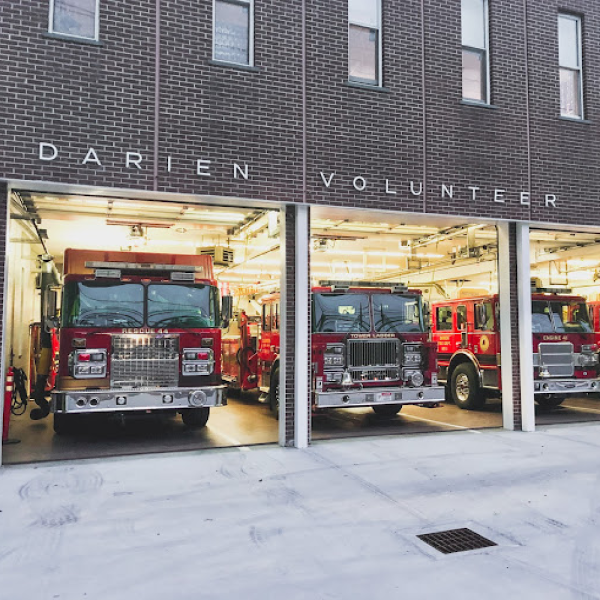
[[456, 540]]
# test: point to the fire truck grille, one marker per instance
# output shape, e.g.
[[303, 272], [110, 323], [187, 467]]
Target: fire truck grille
[[375, 374], [557, 358], [144, 360], [374, 360]]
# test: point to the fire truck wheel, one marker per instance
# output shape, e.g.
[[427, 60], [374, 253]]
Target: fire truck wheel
[[64, 424], [465, 387], [387, 410], [195, 418], [274, 393], [549, 400]]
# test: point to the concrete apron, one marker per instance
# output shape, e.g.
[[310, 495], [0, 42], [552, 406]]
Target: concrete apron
[[336, 520]]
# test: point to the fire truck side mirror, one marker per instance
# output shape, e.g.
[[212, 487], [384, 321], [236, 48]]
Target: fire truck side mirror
[[50, 308], [226, 310], [426, 315]]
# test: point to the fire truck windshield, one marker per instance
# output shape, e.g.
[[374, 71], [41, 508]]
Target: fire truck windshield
[[559, 317], [394, 313], [102, 304], [342, 313], [181, 305]]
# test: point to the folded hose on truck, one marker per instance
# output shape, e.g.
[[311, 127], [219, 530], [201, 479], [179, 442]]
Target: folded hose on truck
[[18, 404]]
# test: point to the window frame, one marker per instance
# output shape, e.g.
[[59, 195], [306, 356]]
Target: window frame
[[378, 83], [486, 79], [51, 29], [250, 5], [579, 21]]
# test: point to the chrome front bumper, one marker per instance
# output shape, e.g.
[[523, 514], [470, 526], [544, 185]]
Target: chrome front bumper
[[566, 386], [104, 401], [375, 396]]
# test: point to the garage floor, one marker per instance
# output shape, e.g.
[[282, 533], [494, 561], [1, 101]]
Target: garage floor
[[245, 422]]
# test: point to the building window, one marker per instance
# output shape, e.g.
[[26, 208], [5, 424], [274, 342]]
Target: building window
[[475, 55], [75, 18], [233, 31], [570, 66], [364, 41]]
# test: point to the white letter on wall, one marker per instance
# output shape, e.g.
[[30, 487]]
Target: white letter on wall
[[359, 183], [44, 146], [412, 188], [237, 169], [551, 200], [387, 188], [447, 191], [326, 181], [133, 158], [525, 198], [474, 190], [499, 195], [91, 156], [202, 167]]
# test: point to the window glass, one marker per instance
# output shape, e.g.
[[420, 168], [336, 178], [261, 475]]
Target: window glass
[[475, 56], [102, 304], [342, 313], [180, 305], [363, 49], [570, 97], [365, 12], [568, 42], [473, 63], [74, 17], [473, 23], [266, 317], [232, 32], [443, 318], [484, 317], [395, 313], [461, 318]]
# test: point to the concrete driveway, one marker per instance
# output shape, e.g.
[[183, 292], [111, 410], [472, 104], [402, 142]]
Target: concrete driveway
[[338, 520]]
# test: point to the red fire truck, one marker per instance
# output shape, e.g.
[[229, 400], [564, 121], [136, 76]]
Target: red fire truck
[[369, 348], [565, 355], [139, 332]]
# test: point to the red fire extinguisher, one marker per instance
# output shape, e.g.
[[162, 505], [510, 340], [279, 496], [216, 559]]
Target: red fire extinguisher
[[8, 394]]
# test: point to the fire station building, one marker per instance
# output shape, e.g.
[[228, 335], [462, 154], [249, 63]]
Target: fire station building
[[307, 219]]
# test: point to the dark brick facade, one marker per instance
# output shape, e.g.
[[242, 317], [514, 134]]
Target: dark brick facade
[[79, 95]]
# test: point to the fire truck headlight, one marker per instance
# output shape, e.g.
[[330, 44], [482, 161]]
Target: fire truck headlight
[[333, 377], [411, 355], [334, 356], [82, 370], [586, 359], [417, 379]]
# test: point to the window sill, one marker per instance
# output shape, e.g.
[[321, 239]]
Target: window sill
[[230, 65], [72, 38], [366, 86], [478, 104], [574, 120]]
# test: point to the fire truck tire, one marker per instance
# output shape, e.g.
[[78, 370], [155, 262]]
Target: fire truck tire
[[274, 393], [64, 424], [549, 400], [387, 410], [195, 418], [464, 387]]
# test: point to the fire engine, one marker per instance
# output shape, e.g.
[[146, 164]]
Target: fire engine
[[139, 332], [369, 347], [565, 355]]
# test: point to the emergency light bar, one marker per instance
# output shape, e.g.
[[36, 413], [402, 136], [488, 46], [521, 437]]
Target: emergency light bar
[[550, 290], [396, 287], [123, 266]]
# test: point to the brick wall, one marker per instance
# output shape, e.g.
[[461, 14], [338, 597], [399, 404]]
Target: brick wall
[[80, 95], [514, 319]]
